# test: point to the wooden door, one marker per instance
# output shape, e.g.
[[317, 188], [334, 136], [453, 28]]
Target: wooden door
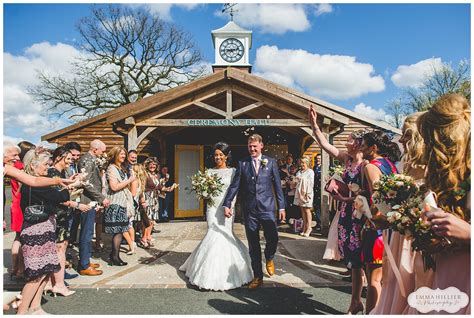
[[189, 159]]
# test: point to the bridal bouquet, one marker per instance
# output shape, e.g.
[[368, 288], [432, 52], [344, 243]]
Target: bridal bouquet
[[207, 186], [336, 172], [393, 189]]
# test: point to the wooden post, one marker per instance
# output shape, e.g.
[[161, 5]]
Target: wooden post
[[324, 194], [132, 139], [229, 104]]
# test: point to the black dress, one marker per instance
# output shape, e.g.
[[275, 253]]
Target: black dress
[[62, 212]]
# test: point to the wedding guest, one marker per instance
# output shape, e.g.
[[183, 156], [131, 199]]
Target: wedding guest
[[381, 152], [304, 194], [152, 187], [408, 263], [166, 193], [62, 159], [129, 235], [284, 175], [138, 192], [92, 192], [75, 217], [118, 213], [293, 211], [289, 161], [16, 216], [38, 240], [317, 191], [446, 130], [348, 227]]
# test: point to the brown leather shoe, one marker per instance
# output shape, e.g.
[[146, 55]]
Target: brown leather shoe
[[255, 283], [94, 265], [90, 272], [270, 267]]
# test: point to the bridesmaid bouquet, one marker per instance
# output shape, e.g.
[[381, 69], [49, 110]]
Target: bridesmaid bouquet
[[392, 190], [207, 186], [408, 218]]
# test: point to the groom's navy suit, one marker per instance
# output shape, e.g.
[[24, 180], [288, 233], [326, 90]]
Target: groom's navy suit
[[258, 206]]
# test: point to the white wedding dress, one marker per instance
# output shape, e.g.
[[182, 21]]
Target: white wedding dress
[[221, 261]]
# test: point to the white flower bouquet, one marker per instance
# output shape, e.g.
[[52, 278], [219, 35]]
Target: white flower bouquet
[[207, 186], [393, 189]]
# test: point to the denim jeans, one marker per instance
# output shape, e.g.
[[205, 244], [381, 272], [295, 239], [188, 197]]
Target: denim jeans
[[74, 221], [164, 207], [85, 238]]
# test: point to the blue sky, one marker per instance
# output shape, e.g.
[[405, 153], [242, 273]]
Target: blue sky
[[357, 56]]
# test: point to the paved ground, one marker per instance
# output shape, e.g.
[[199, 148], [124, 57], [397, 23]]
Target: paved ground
[[151, 283]]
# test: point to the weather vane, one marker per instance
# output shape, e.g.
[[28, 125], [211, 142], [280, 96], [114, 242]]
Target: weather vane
[[229, 7]]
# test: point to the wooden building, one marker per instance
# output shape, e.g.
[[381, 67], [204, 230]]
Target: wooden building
[[181, 125]]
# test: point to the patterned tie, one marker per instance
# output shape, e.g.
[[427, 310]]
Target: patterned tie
[[256, 165]]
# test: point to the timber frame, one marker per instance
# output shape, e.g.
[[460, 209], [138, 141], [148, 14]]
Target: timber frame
[[227, 98]]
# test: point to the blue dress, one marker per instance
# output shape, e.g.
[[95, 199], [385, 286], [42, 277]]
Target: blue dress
[[349, 242]]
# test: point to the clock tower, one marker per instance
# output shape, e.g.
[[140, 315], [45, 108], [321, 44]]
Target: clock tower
[[231, 46]]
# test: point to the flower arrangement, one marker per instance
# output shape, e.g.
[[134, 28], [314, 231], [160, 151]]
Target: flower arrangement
[[264, 162], [207, 186], [336, 172], [393, 189], [408, 219]]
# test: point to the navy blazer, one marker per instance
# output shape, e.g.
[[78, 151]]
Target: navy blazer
[[256, 191]]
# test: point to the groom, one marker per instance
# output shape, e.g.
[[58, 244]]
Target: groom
[[254, 178]]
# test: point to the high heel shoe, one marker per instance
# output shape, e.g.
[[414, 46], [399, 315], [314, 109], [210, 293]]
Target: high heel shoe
[[143, 244], [133, 250], [356, 310], [306, 234], [117, 262], [65, 292], [48, 288]]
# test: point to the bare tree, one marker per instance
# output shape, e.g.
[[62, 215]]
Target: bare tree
[[397, 112], [443, 80], [126, 54]]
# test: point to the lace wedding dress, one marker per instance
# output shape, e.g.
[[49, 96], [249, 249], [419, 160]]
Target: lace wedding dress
[[221, 261]]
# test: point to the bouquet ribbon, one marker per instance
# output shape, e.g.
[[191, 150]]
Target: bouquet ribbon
[[393, 265]]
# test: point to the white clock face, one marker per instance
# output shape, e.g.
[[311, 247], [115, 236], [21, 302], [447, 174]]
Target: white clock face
[[231, 50]]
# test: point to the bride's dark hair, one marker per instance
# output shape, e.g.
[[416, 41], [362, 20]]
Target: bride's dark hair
[[225, 148]]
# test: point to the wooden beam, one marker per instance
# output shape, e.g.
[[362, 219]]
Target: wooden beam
[[247, 108], [129, 121], [229, 114], [277, 90], [223, 122], [174, 107], [144, 134], [149, 103], [210, 108], [132, 143]]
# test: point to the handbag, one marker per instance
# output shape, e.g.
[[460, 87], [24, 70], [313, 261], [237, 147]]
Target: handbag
[[335, 186], [35, 214]]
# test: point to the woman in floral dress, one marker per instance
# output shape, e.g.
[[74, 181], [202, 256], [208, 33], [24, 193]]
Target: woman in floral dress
[[348, 227]]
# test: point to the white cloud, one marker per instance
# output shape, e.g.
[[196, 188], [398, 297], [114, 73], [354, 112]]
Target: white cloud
[[163, 10], [414, 74], [322, 9], [370, 112], [334, 76], [271, 18], [21, 114]]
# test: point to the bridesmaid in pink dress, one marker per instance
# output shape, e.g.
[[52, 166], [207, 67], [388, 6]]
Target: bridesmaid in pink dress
[[408, 263], [446, 129]]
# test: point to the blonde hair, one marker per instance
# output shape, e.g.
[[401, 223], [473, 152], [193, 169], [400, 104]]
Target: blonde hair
[[32, 159], [141, 175], [306, 160], [446, 129], [414, 157], [255, 137]]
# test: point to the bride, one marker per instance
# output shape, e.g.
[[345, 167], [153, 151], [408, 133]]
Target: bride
[[221, 261]]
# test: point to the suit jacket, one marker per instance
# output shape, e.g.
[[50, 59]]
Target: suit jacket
[[257, 191], [92, 192]]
